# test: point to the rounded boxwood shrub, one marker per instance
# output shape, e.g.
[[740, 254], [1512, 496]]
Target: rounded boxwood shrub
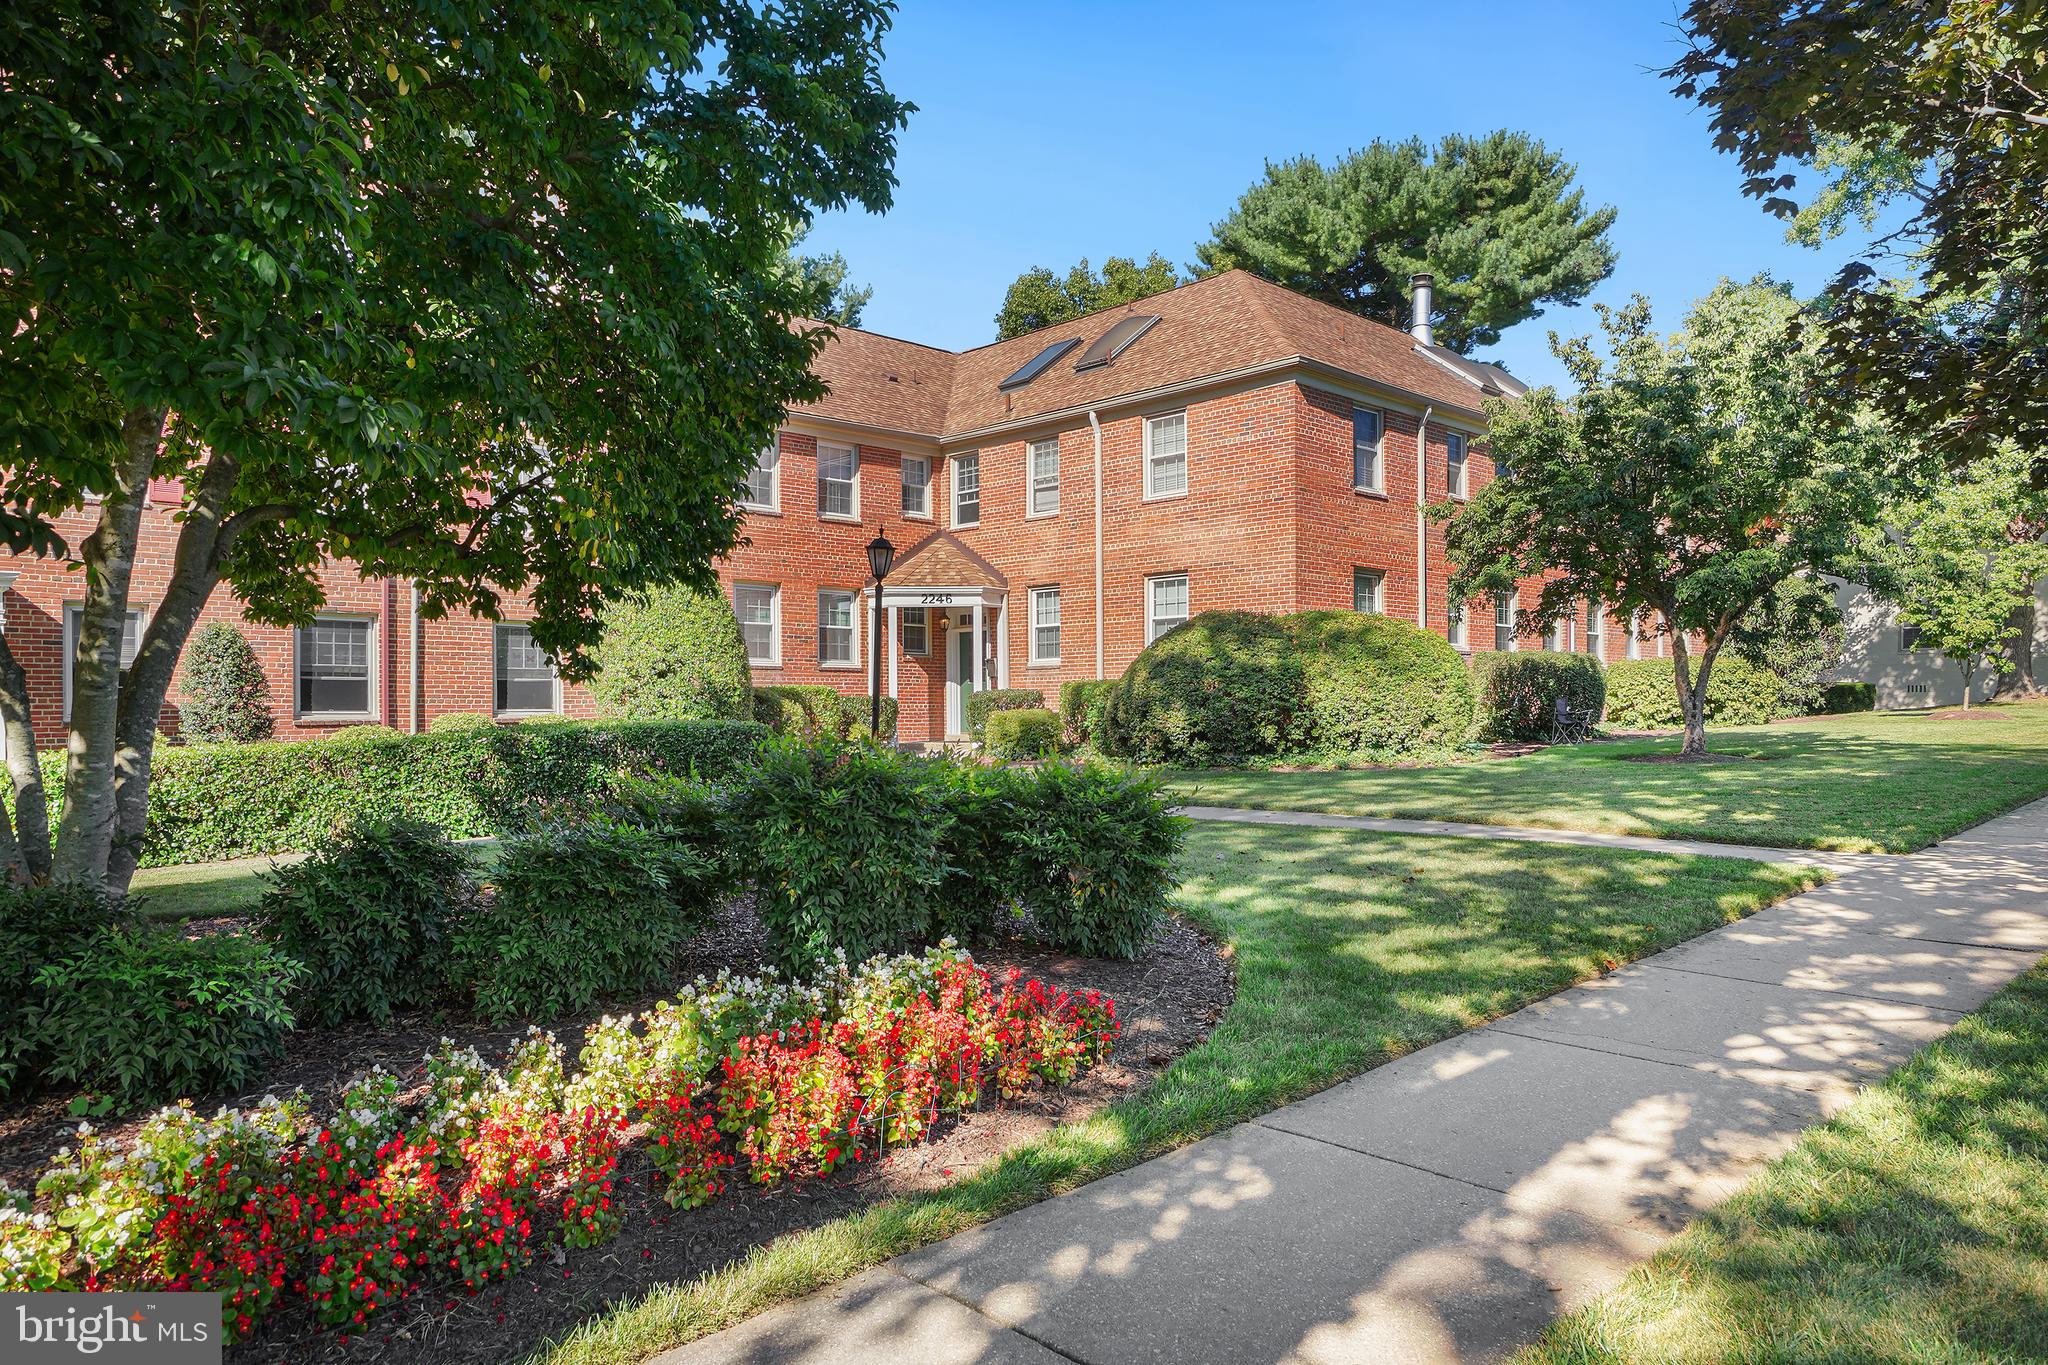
[[812, 711], [1082, 704], [1841, 699], [1224, 685], [1022, 734], [1377, 688], [673, 654], [1642, 696], [576, 916], [1519, 691], [369, 915], [40, 925], [1097, 856], [227, 694], [144, 1015], [982, 705], [844, 845]]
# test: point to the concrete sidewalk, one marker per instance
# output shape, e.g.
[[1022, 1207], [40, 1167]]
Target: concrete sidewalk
[[1448, 1205]]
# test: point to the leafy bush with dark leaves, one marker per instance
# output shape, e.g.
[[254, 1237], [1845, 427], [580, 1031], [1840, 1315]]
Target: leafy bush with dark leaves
[[370, 917], [1519, 691], [142, 1015], [576, 916], [977, 891], [1022, 734], [685, 814], [1223, 686], [1083, 704], [40, 925], [1098, 854], [1841, 699], [814, 711], [226, 692]]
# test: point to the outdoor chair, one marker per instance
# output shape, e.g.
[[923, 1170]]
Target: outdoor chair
[[1570, 724]]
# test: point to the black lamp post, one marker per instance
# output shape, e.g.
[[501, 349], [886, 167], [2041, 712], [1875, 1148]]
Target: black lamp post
[[881, 556]]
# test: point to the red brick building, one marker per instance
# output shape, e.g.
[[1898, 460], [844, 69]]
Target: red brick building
[[1058, 500]]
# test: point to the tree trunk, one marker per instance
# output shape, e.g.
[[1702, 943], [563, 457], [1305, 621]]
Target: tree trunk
[[1968, 672], [28, 857], [1692, 695], [203, 539], [85, 831], [2018, 682]]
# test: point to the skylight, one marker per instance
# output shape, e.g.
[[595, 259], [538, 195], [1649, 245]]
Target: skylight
[[1115, 341], [1038, 364]]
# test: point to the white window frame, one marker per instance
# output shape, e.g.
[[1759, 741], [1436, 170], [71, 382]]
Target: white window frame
[[852, 628], [1595, 639], [852, 453], [1635, 634], [1036, 484], [1153, 492], [1513, 624], [1152, 620], [373, 713], [774, 591], [1378, 578], [923, 511], [1557, 636], [1038, 658], [972, 457], [772, 453], [554, 706], [922, 618], [1378, 448], [74, 620], [1457, 622], [1457, 459]]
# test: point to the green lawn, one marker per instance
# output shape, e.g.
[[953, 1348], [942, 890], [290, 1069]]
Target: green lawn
[[1351, 949], [1868, 783], [1912, 1227]]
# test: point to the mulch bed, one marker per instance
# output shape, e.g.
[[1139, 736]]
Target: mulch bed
[[1708, 757], [1168, 998]]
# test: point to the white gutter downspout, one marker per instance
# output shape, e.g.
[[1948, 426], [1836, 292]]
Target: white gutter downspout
[[1422, 520], [415, 707], [1096, 427]]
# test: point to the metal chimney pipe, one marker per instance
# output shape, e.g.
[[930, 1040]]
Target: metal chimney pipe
[[1422, 301]]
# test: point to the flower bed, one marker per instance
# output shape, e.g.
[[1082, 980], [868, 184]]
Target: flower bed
[[461, 1180]]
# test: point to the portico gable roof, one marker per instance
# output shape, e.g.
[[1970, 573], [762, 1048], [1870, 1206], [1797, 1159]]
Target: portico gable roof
[[943, 560]]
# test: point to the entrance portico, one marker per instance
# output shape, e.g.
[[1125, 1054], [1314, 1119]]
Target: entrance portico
[[963, 599]]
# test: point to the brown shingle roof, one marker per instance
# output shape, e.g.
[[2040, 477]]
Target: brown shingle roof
[[1207, 329], [942, 560]]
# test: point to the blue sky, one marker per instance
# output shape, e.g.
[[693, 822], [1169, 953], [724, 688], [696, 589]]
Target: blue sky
[[1051, 131]]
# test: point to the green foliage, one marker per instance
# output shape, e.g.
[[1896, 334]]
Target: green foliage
[[815, 711], [829, 298], [684, 813], [977, 892], [576, 916], [1642, 694], [369, 917], [1083, 705], [1223, 686], [1097, 855], [673, 653], [1518, 691], [40, 925], [1377, 688], [1039, 298], [209, 802], [1685, 480], [459, 720], [358, 734], [1795, 634], [143, 1015], [1022, 734], [843, 844], [227, 695], [1495, 218], [1841, 699], [981, 705]]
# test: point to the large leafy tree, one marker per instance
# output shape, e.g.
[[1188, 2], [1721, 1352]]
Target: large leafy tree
[[1687, 479], [1962, 560], [1496, 219], [1940, 107], [824, 274], [486, 296], [1039, 298]]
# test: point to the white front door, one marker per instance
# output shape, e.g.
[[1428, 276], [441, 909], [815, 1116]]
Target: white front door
[[959, 673]]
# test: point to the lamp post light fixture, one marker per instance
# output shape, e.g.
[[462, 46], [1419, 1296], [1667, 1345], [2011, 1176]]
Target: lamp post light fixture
[[881, 557]]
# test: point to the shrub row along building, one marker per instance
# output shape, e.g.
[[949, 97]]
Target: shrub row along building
[[1059, 500]]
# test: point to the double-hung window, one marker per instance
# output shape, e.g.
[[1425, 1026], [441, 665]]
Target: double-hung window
[[917, 486], [131, 640], [917, 631], [1503, 621], [759, 607], [1557, 636], [764, 480], [522, 675], [1045, 477], [1166, 604], [1045, 625], [1368, 436], [838, 482], [1166, 455], [1454, 465], [1368, 590], [967, 489], [1596, 630], [837, 647], [1454, 621], [1909, 637], [334, 681]]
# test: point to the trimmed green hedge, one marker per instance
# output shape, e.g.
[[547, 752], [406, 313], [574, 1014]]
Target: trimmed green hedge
[[1023, 734], [1518, 691], [1083, 704], [1378, 688], [211, 801], [1840, 699], [672, 654], [1642, 696], [982, 705], [815, 711]]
